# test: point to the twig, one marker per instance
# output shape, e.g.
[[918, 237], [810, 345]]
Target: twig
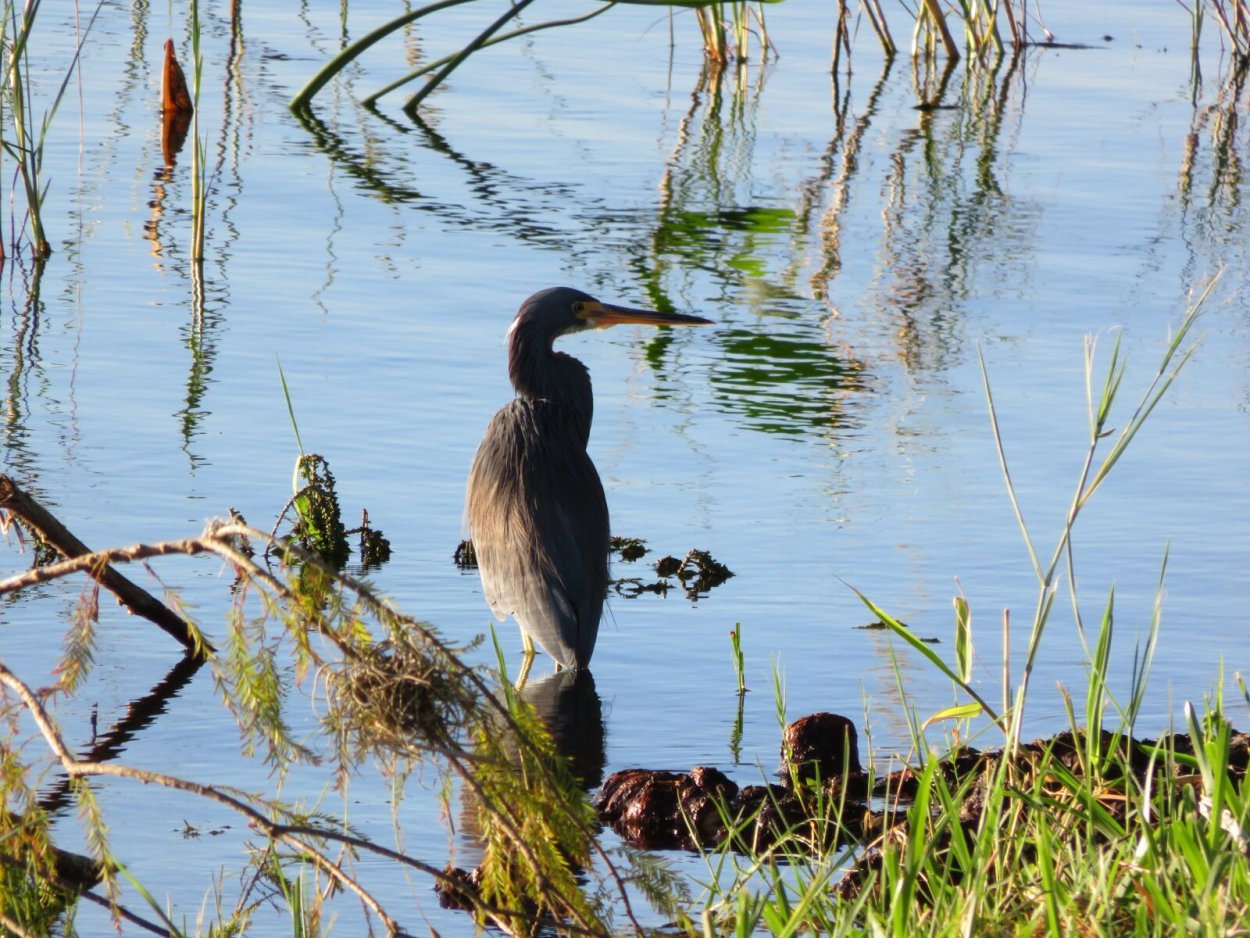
[[275, 831], [220, 538]]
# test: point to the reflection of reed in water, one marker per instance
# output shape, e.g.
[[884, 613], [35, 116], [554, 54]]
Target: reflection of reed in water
[[706, 219], [784, 373], [23, 365], [949, 214], [1212, 179], [833, 186], [788, 381]]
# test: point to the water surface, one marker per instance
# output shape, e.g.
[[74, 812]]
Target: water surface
[[856, 253]]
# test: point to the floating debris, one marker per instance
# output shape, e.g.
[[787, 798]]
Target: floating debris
[[375, 549], [464, 556], [632, 587], [703, 808], [879, 626], [629, 548], [698, 573], [657, 809]]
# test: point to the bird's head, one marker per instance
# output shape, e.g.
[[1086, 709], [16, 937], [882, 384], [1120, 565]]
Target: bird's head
[[557, 311]]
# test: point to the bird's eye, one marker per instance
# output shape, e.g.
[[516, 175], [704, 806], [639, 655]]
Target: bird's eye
[[579, 309]]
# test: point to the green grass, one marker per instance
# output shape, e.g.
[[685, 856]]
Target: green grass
[[1092, 834]]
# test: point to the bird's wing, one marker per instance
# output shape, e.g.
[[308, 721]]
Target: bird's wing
[[539, 523]]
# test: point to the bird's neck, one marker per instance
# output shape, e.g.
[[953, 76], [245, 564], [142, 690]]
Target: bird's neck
[[539, 373]]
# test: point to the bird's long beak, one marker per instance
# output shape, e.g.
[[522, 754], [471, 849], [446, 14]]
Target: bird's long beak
[[602, 315]]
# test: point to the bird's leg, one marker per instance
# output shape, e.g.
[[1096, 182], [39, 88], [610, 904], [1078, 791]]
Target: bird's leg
[[527, 660], [526, 663]]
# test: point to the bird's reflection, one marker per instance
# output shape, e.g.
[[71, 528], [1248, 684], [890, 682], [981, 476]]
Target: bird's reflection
[[569, 707]]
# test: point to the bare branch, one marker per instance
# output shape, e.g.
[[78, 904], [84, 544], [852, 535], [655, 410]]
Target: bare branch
[[129, 594]]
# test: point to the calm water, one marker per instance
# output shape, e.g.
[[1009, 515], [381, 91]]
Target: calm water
[[831, 429]]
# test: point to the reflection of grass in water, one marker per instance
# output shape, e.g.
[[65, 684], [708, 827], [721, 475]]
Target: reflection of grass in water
[[706, 237], [786, 383], [1212, 175]]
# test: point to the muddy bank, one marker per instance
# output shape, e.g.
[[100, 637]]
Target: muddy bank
[[824, 795]]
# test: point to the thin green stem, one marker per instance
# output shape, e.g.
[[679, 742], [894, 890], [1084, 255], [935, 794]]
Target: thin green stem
[[410, 107], [303, 99], [372, 99]]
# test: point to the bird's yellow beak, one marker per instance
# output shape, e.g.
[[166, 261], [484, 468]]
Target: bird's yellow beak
[[601, 315]]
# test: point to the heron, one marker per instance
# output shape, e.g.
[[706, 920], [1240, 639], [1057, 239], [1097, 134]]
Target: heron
[[535, 507]]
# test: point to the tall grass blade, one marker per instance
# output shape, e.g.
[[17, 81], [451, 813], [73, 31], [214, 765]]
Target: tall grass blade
[[28, 143], [906, 635], [963, 638], [1096, 694], [290, 408], [1006, 471]]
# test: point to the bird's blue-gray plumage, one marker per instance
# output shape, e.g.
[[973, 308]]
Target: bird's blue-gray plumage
[[536, 511], [537, 514]]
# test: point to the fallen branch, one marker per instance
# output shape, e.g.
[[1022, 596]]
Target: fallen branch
[[136, 599]]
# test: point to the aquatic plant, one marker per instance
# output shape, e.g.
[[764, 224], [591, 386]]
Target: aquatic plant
[[723, 37], [394, 692], [26, 145]]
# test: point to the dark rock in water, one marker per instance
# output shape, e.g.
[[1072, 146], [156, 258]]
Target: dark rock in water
[[767, 810], [821, 745], [658, 810]]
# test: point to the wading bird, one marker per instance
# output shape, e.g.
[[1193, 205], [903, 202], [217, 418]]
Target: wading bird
[[535, 507]]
